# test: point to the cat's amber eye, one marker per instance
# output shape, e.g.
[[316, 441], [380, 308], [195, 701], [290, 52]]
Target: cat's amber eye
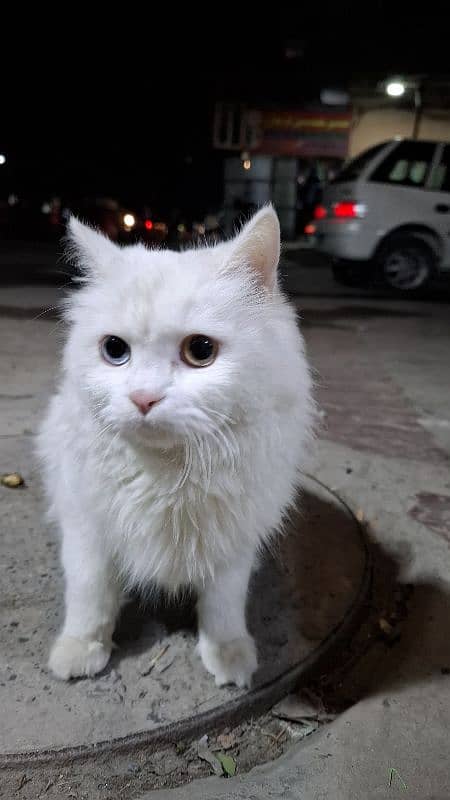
[[115, 350], [198, 350]]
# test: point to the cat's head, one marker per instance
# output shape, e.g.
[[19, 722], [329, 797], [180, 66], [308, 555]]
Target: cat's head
[[166, 345]]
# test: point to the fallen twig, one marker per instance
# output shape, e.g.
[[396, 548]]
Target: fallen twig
[[155, 660]]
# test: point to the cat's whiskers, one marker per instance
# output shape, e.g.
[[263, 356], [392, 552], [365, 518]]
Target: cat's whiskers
[[215, 443], [45, 311], [226, 442], [59, 324], [108, 449], [220, 415], [100, 435], [208, 463], [204, 466], [187, 465]]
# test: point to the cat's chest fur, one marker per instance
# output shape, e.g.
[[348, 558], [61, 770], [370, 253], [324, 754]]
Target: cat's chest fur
[[165, 525]]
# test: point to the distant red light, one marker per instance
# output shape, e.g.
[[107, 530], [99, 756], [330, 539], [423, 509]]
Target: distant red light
[[310, 229], [320, 212], [349, 210], [148, 224]]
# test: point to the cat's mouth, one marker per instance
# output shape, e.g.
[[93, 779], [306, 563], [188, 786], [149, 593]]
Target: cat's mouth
[[153, 429], [154, 437]]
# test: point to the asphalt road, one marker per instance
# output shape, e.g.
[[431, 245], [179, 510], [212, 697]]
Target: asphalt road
[[305, 273]]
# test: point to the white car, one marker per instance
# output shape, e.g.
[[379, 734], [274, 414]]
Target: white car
[[387, 215]]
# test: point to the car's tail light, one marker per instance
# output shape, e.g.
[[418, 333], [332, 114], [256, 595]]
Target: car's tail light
[[320, 212], [148, 224], [349, 210], [309, 229]]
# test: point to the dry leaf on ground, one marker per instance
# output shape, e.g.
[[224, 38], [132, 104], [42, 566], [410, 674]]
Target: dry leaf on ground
[[299, 707], [12, 480], [226, 740]]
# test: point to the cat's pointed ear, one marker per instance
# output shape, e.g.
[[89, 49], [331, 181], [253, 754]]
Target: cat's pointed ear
[[258, 245], [90, 249]]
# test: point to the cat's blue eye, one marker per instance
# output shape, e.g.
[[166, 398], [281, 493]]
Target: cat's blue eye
[[115, 350]]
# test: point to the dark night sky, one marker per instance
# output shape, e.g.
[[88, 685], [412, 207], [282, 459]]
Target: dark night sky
[[100, 112]]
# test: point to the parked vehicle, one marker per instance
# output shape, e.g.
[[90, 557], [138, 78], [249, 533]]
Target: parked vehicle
[[122, 224], [386, 215]]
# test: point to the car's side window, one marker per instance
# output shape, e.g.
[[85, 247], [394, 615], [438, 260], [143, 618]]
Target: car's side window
[[440, 179], [352, 170], [407, 165]]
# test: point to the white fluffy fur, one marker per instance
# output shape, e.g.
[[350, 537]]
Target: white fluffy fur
[[187, 494]]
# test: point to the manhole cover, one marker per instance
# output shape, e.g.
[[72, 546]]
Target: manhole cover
[[301, 600]]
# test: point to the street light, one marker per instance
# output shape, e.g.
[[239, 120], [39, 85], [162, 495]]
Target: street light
[[2, 159], [396, 87]]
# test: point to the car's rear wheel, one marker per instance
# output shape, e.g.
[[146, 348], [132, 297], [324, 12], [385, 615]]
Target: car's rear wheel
[[348, 274], [406, 263]]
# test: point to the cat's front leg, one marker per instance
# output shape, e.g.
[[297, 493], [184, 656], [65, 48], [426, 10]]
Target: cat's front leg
[[92, 601], [226, 647]]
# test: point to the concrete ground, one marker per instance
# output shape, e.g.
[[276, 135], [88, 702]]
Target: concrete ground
[[383, 382]]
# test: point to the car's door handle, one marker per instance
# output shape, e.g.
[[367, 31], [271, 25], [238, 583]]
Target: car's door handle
[[441, 208]]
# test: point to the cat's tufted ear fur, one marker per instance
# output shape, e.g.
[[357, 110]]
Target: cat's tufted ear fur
[[89, 249], [258, 246]]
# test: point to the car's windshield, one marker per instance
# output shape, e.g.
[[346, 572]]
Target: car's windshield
[[353, 169]]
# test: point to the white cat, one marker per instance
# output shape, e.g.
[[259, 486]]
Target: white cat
[[175, 442]]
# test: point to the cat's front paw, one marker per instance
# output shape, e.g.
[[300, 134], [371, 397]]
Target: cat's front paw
[[230, 662], [76, 658]]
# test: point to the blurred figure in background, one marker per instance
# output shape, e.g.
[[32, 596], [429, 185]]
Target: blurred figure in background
[[309, 194]]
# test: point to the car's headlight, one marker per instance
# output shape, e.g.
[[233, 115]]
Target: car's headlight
[[129, 221]]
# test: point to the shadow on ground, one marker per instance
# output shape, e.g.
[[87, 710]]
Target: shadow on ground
[[404, 640]]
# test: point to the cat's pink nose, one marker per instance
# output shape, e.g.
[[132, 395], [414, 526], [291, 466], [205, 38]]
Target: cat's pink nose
[[144, 400]]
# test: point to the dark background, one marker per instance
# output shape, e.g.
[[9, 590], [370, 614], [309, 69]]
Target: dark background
[[121, 104]]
